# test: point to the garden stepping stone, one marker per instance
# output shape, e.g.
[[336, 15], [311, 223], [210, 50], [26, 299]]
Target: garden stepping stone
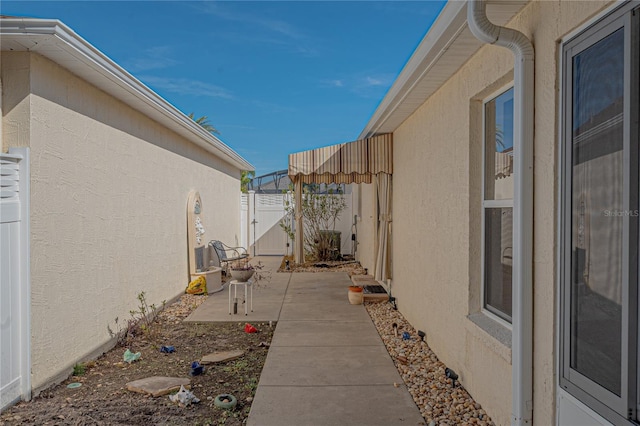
[[221, 357], [158, 385]]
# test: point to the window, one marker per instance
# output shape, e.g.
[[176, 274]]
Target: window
[[498, 205], [599, 228]]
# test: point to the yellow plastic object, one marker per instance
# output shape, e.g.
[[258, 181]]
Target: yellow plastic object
[[197, 286]]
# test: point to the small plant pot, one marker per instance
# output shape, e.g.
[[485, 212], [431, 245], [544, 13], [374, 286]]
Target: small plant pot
[[355, 295], [242, 275]]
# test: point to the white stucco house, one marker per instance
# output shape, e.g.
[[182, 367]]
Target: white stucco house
[[514, 233], [96, 173]]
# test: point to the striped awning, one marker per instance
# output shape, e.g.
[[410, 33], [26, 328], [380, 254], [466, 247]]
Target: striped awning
[[352, 162]]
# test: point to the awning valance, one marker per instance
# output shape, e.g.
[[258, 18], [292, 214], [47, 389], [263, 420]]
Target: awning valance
[[352, 162]]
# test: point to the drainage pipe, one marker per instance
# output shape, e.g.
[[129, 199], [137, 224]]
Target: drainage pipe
[[522, 299]]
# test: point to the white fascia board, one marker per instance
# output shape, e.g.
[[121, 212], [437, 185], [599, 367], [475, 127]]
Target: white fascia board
[[56, 41]]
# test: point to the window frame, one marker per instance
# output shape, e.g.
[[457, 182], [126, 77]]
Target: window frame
[[618, 409], [490, 204]]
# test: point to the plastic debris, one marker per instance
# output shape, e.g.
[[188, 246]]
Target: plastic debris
[[226, 401], [395, 328], [263, 345], [196, 368], [197, 286], [167, 349], [248, 328], [74, 385], [130, 356], [184, 397], [406, 335]]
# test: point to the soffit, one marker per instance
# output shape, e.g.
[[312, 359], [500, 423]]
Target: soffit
[[57, 42], [446, 47]]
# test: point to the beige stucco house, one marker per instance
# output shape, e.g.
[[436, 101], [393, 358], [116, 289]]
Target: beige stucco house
[[111, 167], [514, 236]]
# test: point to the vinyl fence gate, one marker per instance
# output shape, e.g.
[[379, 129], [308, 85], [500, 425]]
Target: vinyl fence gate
[[261, 215], [15, 358]]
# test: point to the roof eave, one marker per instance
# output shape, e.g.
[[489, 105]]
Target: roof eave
[[446, 47], [59, 43]]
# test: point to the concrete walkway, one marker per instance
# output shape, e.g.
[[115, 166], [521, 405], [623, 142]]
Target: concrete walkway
[[327, 364]]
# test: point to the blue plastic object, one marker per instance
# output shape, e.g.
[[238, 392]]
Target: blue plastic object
[[196, 368], [406, 335], [167, 349]]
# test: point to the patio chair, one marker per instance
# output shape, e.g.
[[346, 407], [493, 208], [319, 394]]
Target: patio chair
[[227, 254]]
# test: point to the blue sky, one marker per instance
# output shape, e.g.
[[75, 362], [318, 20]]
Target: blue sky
[[273, 77]]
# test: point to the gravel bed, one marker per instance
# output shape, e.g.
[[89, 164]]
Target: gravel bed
[[424, 374]]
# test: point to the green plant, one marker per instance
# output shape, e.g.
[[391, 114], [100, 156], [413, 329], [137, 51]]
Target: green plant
[[204, 122], [79, 369], [320, 211], [122, 333], [141, 319], [260, 275], [252, 385], [145, 314], [236, 367], [245, 179]]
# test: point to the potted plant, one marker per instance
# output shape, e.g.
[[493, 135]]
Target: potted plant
[[242, 270]]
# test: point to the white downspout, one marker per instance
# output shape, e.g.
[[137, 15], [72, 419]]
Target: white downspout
[[522, 299]]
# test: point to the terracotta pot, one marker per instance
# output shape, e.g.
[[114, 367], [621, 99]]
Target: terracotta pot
[[355, 288], [355, 295]]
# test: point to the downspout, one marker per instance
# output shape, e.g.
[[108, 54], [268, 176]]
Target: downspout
[[522, 298], [299, 234]]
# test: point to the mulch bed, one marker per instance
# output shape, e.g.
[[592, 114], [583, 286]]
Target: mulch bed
[[351, 267], [103, 398]]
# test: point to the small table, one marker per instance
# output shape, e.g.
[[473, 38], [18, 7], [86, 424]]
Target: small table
[[247, 286]]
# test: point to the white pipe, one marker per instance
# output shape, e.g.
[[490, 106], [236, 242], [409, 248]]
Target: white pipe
[[299, 234], [522, 299]]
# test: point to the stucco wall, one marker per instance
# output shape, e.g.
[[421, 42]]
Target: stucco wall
[[437, 214], [108, 210]]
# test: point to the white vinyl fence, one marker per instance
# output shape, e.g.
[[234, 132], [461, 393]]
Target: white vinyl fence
[[15, 362], [261, 215]]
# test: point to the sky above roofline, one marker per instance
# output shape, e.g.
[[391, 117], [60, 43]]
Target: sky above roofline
[[273, 77]]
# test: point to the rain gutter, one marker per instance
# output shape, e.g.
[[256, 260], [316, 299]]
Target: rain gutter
[[522, 299]]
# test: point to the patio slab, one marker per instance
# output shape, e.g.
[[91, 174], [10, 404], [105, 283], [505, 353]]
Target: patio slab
[[325, 333], [369, 405], [268, 297], [329, 366], [322, 310], [320, 280]]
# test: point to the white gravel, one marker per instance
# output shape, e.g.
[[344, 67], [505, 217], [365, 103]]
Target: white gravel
[[424, 374]]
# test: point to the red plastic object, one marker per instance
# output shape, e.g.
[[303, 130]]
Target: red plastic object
[[248, 328]]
